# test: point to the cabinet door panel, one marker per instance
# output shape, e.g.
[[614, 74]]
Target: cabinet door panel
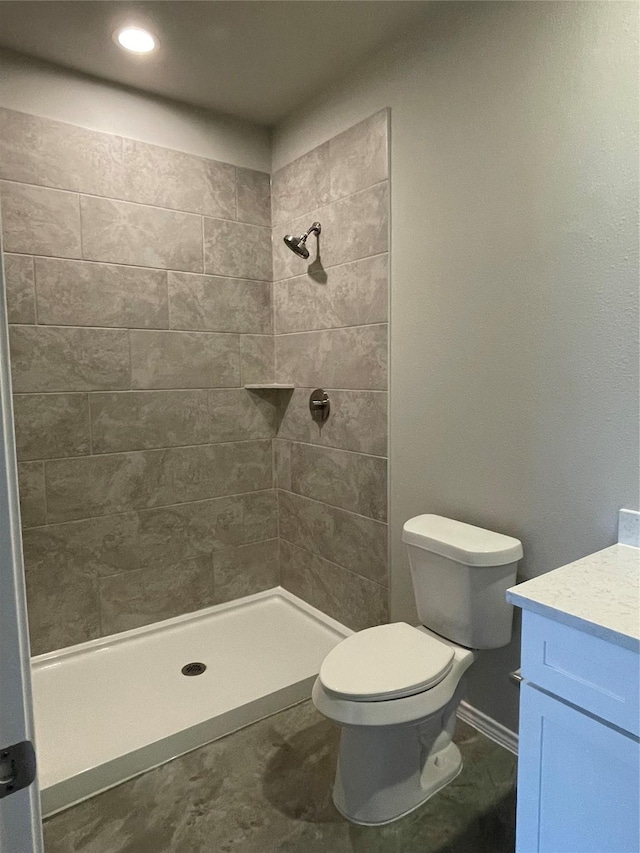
[[578, 788]]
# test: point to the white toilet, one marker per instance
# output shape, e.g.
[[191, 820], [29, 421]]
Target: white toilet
[[395, 688]]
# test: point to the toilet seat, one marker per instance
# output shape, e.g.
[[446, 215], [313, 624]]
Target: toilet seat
[[385, 662]]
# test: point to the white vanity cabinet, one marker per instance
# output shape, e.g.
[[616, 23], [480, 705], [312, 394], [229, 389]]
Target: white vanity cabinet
[[579, 754]]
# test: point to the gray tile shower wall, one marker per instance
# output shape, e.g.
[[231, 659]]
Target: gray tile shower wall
[[330, 325], [143, 293], [146, 474]]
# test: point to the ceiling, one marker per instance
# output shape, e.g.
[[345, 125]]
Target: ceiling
[[256, 60]]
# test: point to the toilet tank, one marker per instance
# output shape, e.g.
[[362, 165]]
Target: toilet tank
[[460, 576]]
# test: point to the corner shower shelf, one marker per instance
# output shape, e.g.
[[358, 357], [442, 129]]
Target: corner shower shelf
[[269, 386]]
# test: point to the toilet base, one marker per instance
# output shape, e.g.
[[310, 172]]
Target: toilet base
[[454, 769], [385, 772]]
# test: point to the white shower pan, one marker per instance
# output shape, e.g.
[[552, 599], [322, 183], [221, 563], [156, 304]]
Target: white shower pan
[[112, 708]]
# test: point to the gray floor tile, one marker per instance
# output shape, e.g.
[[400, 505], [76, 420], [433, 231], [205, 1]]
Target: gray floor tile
[[267, 788]]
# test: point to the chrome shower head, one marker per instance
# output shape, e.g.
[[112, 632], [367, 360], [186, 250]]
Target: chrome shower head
[[298, 244]]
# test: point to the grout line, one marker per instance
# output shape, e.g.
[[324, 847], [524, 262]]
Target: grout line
[[161, 449], [178, 210], [130, 351], [202, 232], [339, 449], [324, 503], [332, 329], [81, 227], [167, 270], [140, 266], [330, 447], [88, 395], [336, 565], [384, 520], [290, 278], [333, 266], [140, 329], [318, 208], [44, 493], [147, 509], [35, 292], [166, 286], [235, 184]]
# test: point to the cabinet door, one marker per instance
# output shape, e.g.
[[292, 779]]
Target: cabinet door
[[578, 778]]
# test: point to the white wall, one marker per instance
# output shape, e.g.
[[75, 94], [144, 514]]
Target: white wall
[[31, 86], [514, 297]]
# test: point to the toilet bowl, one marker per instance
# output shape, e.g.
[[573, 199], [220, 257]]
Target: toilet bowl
[[395, 689]]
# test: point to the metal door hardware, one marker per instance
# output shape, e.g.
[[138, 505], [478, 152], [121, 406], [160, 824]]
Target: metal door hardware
[[17, 767], [319, 405]]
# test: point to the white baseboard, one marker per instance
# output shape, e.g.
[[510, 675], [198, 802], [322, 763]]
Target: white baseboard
[[489, 727]]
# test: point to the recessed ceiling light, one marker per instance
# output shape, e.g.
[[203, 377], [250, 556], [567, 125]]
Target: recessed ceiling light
[[135, 39]]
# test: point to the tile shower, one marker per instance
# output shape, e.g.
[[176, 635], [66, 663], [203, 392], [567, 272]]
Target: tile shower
[[143, 295]]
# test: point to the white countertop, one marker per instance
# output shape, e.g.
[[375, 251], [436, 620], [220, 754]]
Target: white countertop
[[599, 594]]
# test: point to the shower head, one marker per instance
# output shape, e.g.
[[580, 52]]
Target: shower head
[[298, 244]]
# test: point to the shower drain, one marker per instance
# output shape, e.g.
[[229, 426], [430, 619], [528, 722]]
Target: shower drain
[[194, 668]]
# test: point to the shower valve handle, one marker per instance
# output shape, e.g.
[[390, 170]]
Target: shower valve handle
[[319, 405]]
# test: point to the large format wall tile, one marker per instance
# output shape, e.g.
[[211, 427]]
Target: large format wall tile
[[260, 516], [123, 233], [51, 425], [80, 293], [236, 414], [94, 546], [359, 157], [32, 494], [356, 226], [50, 153], [142, 420], [354, 357], [20, 288], [357, 543], [185, 531], [301, 186], [100, 485], [353, 600], [62, 606], [358, 421], [154, 593], [237, 249], [352, 481], [257, 359], [353, 294], [166, 178], [184, 360], [254, 196], [38, 221], [58, 358], [213, 304], [245, 570]]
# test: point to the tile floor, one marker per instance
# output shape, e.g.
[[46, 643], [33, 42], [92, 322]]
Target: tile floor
[[267, 788]]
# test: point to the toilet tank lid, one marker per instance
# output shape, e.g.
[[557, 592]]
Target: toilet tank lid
[[463, 543]]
